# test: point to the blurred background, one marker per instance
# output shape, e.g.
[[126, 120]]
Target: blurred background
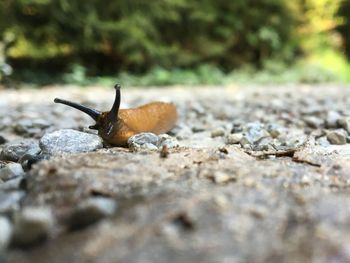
[[167, 42]]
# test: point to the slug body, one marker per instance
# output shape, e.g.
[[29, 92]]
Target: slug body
[[118, 125]]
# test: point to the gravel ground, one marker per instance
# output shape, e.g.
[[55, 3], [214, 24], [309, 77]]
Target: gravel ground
[[249, 174]]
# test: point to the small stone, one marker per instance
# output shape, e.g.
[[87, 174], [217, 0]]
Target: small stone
[[2, 140], [169, 141], [332, 119], [15, 150], [10, 171], [5, 232], [69, 141], [313, 122], [13, 184], [337, 137], [264, 144], [32, 225], [259, 212], [218, 132], [198, 128], [323, 141], [345, 123], [250, 182], [10, 201], [274, 130], [221, 177], [254, 132], [305, 180], [236, 127], [182, 132], [222, 201], [28, 160], [245, 141], [145, 140], [234, 138], [30, 127], [91, 211]]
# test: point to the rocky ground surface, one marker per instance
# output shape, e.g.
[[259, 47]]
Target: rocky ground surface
[[249, 174]]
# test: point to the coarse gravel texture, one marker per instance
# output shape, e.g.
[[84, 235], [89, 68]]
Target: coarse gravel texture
[[249, 174]]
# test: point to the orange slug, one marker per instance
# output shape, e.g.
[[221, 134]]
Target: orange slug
[[118, 125]]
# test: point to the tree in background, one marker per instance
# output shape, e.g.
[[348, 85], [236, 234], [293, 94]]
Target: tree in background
[[138, 35]]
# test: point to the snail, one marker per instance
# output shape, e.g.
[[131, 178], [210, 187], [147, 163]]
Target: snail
[[118, 125]]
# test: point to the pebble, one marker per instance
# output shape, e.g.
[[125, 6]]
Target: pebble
[[218, 132], [263, 145], [182, 132], [345, 123], [5, 232], [168, 141], [323, 141], [13, 184], [313, 122], [30, 127], [2, 140], [254, 132], [332, 119], [10, 201], [274, 130], [91, 211], [234, 138], [13, 151], [32, 225], [222, 178], [337, 137], [69, 141], [145, 140], [10, 171], [237, 127]]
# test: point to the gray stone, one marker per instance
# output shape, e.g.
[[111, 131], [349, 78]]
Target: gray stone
[[237, 127], [10, 201], [13, 151], [13, 184], [2, 140], [92, 210], [313, 122], [274, 130], [5, 232], [10, 171], [234, 138], [181, 131], [218, 132], [145, 140], [345, 123], [169, 141], [263, 145], [69, 141], [32, 225], [323, 141], [337, 137], [254, 132], [332, 119], [219, 177], [30, 127]]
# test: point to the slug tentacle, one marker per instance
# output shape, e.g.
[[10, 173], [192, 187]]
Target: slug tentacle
[[113, 113], [118, 125], [95, 114]]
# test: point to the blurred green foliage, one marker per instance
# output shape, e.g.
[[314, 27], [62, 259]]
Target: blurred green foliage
[[173, 41]]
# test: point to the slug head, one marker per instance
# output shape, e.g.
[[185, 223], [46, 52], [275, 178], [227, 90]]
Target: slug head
[[107, 123]]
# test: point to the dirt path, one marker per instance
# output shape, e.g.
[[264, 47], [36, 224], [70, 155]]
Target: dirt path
[[260, 175]]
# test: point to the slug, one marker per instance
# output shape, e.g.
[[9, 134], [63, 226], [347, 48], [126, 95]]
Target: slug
[[118, 125]]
